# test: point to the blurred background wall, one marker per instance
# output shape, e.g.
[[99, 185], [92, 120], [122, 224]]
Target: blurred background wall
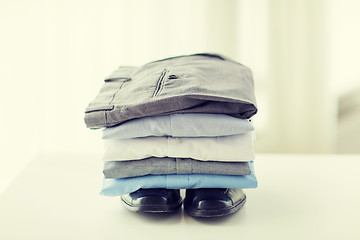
[[54, 55]]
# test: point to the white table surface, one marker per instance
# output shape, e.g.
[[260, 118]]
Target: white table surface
[[299, 197]]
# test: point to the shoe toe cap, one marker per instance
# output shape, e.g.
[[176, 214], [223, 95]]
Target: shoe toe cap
[[214, 198], [213, 204], [155, 197]]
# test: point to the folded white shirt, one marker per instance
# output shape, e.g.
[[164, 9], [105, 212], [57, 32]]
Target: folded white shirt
[[180, 125], [238, 147]]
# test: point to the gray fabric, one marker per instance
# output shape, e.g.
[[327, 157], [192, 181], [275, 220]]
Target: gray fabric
[[159, 166], [200, 83]]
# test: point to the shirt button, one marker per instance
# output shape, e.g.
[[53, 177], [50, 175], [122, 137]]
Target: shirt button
[[172, 77]]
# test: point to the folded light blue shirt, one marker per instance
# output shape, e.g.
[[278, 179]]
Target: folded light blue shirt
[[120, 186], [180, 125]]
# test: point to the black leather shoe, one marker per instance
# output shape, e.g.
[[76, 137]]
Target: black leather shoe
[[154, 200], [213, 202]]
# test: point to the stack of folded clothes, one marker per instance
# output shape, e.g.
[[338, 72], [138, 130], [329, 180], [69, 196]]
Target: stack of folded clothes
[[178, 123]]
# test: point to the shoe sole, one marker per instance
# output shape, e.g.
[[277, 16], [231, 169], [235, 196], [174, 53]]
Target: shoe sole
[[214, 212], [153, 208]]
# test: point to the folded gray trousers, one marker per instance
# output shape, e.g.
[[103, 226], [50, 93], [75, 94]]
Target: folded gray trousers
[[199, 83], [167, 165]]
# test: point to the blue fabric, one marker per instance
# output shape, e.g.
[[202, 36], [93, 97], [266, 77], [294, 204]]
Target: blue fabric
[[120, 186], [180, 125]]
